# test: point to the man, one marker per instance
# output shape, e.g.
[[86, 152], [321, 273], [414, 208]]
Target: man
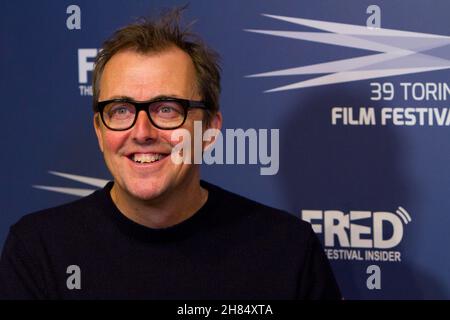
[[157, 231]]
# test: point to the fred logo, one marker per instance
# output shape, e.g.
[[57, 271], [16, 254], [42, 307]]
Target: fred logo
[[74, 280]]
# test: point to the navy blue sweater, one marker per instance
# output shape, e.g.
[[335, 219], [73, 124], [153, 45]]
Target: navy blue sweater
[[232, 248]]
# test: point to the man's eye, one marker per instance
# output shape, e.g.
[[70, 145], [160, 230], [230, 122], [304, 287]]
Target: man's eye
[[166, 109], [120, 110]]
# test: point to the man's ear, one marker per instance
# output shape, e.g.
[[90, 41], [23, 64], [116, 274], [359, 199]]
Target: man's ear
[[215, 124], [216, 121], [98, 130]]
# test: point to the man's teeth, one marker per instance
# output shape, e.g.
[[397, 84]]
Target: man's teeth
[[146, 158]]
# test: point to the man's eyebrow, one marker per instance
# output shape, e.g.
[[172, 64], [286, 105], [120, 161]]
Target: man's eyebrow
[[161, 96], [120, 97]]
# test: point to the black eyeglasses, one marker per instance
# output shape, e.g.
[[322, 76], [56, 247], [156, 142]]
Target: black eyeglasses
[[164, 113]]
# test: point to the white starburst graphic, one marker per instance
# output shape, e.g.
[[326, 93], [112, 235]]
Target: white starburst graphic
[[81, 192], [398, 52]]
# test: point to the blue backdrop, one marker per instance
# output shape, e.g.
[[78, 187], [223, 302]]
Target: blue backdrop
[[373, 179]]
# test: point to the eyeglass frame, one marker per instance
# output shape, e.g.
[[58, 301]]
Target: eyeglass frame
[[99, 106]]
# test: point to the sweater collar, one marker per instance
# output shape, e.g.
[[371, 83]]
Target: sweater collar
[[190, 226]]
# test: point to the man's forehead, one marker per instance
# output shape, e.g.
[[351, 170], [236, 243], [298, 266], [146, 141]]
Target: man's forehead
[[129, 57], [143, 76]]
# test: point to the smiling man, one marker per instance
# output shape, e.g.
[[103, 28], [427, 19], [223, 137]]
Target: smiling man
[[157, 231], [149, 187]]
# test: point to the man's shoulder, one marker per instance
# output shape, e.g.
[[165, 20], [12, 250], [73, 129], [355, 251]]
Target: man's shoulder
[[260, 215], [62, 217]]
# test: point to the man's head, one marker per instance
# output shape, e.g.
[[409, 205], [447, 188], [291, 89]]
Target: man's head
[[142, 62], [153, 36]]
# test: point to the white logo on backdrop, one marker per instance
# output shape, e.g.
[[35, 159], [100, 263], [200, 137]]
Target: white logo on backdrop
[[398, 52], [80, 192], [346, 234], [86, 58]]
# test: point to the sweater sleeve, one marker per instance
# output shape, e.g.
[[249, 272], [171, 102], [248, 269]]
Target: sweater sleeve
[[19, 272], [316, 281]]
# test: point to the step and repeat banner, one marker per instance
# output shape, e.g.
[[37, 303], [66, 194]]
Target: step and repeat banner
[[351, 98]]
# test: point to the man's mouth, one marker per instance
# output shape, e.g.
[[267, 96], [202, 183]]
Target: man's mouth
[[146, 157]]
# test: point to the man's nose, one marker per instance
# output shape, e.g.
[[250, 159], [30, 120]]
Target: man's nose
[[143, 130]]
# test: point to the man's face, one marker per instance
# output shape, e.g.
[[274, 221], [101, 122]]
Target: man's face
[[143, 77]]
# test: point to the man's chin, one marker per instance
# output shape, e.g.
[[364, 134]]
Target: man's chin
[[148, 189], [145, 194]]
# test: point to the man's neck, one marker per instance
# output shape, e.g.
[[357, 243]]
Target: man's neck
[[166, 211]]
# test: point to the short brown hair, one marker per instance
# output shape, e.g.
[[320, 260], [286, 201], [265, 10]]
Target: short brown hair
[[148, 35]]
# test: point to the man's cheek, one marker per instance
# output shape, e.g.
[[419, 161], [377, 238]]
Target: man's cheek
[[180, 140], [112, 142]]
